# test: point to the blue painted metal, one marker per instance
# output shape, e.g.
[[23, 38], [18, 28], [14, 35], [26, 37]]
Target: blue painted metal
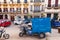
[[41, 25], [56, 23]]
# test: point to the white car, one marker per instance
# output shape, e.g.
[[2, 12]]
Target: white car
[[17, 22]]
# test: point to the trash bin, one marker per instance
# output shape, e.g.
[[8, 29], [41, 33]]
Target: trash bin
[[58, 29]]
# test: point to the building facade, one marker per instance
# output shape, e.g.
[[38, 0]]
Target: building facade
[[10, 9], [52, 9]]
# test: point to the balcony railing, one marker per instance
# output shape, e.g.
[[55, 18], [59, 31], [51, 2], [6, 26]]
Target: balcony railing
[[55, 6], [37, 1], [49, 7], [36, 11]]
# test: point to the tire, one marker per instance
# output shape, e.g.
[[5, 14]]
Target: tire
[[20, 34], [42, 35], [6, 36], [16, 24]]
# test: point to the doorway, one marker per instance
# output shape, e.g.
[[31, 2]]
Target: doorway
[[6, 17], [49, 15], [55, 16], [1, 16], [12, 18]]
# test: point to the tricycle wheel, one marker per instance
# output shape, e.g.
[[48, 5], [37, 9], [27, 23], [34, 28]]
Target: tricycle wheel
[[42, 35], [20, 34], [6, 36]]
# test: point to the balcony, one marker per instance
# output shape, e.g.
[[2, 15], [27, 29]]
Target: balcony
[[49, 7], [52, 10], [18, 1], [18, 11], [25, 1], [42, 10], [5, 2], [55, 6], [11, 5], [31, 1], [37, 4], [36, 11], [37, 1]]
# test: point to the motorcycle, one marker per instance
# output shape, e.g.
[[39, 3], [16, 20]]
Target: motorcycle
[[4, 35]]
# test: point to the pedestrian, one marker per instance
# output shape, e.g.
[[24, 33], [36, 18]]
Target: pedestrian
[[1, 31]]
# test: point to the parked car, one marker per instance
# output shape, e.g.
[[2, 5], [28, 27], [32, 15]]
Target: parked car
[[55, 23], [5, 23], [17, 22]]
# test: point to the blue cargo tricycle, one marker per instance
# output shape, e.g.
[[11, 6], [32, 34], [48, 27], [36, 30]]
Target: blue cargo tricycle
[[40, 26]]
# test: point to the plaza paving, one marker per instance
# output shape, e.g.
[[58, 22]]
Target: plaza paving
[[14, 30]]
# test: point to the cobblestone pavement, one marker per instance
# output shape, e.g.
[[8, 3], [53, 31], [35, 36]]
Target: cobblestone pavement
[[14, 30]]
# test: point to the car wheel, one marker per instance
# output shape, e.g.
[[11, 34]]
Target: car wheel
[[16, 24]]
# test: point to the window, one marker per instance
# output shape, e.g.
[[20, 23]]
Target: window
[[31, 0], [25, 10], [30, 17], [26, 17], [0, 10], [19, 9], [55, 16], [49, 3], [42, 7], [31, 8], [25, 1], [49, 15], [36, 16], [12, 10], [42, 0], [36, 8], [11, 1], [1, 16], [5, 9], [6, 17], [56, 3], [5, 1], [18, 1], [37, 0]]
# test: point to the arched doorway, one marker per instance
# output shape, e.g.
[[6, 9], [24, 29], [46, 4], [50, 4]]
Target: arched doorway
[[12, 18], [6, 16], [55, 17], [25, 17], [1, 16]]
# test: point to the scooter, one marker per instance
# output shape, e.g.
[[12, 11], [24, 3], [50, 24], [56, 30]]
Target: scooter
[[4, 35], [25, 31]]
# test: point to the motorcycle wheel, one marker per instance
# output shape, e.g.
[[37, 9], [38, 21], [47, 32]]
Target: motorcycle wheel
[[6, 36], [20, 34]]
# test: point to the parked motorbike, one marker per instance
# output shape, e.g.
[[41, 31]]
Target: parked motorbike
[[25, 31], [4, 35]]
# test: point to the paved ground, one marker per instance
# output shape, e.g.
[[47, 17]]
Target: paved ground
[[14, 30]]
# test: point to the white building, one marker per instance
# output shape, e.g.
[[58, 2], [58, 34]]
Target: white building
[[52, 8], [11, 8]]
